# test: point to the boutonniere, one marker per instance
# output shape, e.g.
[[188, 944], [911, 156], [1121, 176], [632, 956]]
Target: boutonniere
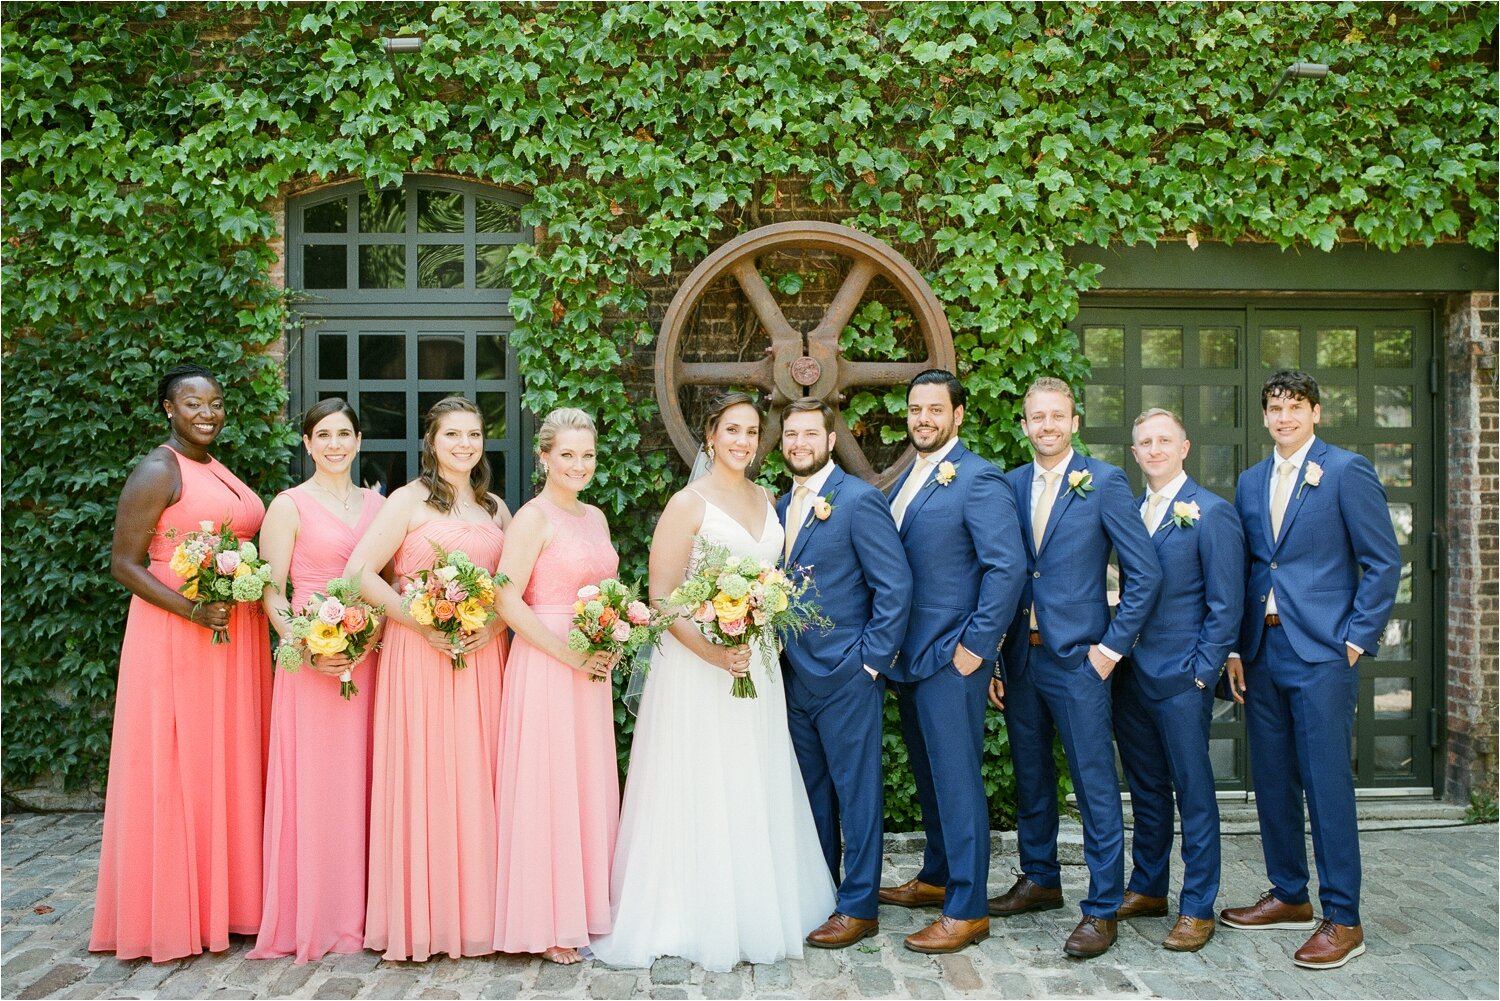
[[1185, 514], [1080, 481], [1310, 478], [822, 507], [945, 472]]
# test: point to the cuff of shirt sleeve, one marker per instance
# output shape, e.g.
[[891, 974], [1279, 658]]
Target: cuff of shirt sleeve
[[1355, 647], [1110, 653]]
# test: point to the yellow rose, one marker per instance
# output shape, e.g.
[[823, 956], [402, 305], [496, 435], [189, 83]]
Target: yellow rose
[[326, 640], [182, 565], [191, 591], [728, 609], [421, 610], [242, 569], [776, 600], [471, 615]]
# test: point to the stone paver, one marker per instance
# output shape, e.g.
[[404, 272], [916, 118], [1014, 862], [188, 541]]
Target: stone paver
[[1429, 907]]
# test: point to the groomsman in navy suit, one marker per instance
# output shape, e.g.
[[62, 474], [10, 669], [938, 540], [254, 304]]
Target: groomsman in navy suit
[[1059, 654], [841, 529], [957, 521], [1164, 689], [1324, 565]]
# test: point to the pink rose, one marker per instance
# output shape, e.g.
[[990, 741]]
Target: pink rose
[[332, 612], [588, 592], [621, 631], [354, 619], [455, 591], [734, 627], [705, 612], [228, 562], [638, 613]]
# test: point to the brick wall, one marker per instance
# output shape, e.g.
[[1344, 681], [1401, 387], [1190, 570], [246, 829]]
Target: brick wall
[[1473, 554]]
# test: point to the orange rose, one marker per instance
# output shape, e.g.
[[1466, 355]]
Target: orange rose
[[443, 610], [608, 617]]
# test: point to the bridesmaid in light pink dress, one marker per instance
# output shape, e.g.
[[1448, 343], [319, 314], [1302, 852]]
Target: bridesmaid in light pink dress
[[318, 778], [437, 729], [557, 794]]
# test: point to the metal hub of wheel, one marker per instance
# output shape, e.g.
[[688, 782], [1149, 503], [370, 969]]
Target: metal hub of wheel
[[797, 363]]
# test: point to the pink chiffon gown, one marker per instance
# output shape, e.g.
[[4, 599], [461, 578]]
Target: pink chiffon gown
[[318, 775], [432, 794], [557, 794], [180, 865]]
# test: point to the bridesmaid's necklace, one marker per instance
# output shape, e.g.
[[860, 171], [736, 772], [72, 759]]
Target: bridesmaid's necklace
[[344, 500]]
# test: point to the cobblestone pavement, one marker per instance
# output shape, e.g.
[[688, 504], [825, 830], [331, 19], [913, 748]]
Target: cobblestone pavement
[[1429, 907]]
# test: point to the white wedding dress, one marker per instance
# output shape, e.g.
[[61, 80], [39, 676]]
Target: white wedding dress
[[717, 859]]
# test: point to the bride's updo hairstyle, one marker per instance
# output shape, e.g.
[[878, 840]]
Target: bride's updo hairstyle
[[439, 494], [562, 419], [720, 406]]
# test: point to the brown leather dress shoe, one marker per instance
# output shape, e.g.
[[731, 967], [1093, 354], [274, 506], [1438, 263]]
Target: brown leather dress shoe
[[1023, 896], [1331, 946], [1138, 905], [1269, 912], [841, 931], [1091, 938], [1189, 934], [948, 935], [912, 893]]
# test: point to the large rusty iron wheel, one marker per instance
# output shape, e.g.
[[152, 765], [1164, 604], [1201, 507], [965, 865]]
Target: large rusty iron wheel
[[798, 364]]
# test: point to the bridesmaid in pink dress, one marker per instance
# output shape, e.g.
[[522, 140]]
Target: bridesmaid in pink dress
[[557, 794], [180, 866], [437, 729], [318, 778]]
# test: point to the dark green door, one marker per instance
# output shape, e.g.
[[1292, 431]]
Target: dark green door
[[1375, 365]]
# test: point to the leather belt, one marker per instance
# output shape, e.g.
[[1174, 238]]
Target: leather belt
[[1036, 638], [1273, 619]]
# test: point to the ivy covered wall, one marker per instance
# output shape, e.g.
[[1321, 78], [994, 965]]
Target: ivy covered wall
[[149, 146]]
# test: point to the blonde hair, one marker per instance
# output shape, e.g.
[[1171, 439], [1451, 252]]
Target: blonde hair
[[1050, 384], [562, 419], [1151, 412]]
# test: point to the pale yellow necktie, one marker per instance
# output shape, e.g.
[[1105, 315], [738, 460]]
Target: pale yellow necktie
[[1041, 514], [1153, 505], [909, 489], [794, 514], [1281, 495]]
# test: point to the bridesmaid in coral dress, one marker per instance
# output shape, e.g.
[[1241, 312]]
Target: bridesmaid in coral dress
[[318, 776], [437, 729], [557, 794], [180, 866]]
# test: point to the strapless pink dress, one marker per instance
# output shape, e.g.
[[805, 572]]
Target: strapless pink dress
[[432, 794]]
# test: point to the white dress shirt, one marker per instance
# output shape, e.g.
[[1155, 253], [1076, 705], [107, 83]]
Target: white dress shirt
[[1038, 484], [1168, 492]]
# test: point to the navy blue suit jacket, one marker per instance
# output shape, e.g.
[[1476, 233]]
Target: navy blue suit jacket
[[1335, 567], [862, 580], [1195, 623], [1066, 579], [961, 545]]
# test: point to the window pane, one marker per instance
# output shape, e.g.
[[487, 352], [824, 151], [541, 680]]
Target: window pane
[[489, 362], [494, 216], [382, 356], [1393, 755], [1337, 348], [1281, 347], [1401, 522], [333, 356], [382, 266], [383, 415], [1219, 406], [1219, 466], [1219, 347], [385, 471], [385, 214], [497, 472], [492, 405], [1161, 347], [1393, 406], [1104, 347], [1222, 752], [1396, 642], [1403, 586], [1340, 406], [440, 356], [1393, 464], [329, 217], [1393, 348], [1104, 406], [1393, 698], [440, 212], [1112, 454], [325, 267], [440, 266], [489, 265], [1167, 397]]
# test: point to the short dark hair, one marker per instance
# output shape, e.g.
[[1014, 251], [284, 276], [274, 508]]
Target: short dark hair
[[1291, 384], [179, 373], [808, 405], [940, 377], [327, 408]]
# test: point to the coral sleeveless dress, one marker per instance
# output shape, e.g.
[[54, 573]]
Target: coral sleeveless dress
[[558, 793], [432, 795], [318, 774], [180, 866]]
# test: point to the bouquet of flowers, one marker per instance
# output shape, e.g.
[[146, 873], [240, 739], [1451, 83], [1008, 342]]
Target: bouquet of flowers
[[735, 600], [331, 622], [455, 596], [609, 616], [216, 566]]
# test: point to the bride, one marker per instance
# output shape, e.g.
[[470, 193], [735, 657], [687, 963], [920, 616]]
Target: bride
[[717, 858]]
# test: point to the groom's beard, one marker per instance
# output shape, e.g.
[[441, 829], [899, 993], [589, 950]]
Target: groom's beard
[[813, 465]]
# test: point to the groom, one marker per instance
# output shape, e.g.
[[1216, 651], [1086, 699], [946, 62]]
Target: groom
[[839, 527], [957, 521]]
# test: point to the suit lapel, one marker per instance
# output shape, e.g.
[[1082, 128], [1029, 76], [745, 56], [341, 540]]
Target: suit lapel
[[1262, 495], [1064, 498], [927, 490], [1021, 484], [1186, 494], [1299, 491], [810, 521]]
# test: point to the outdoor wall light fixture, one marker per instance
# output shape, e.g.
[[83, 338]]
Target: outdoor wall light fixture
[[1303, 71], [400, 43]]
